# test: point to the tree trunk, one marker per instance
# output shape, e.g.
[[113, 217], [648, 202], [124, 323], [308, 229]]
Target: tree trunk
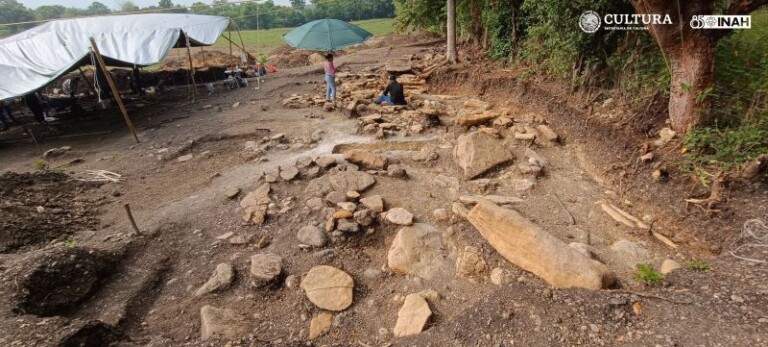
[[692, 65], [690, 53], [450, 55], [477, 29]]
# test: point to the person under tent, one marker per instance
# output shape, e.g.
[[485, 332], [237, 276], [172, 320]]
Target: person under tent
[[393, 95], [6, 114], [36, 103]]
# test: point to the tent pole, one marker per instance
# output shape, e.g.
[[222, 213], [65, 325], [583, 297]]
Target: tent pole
[[238, 46], [191, 70], [90, 87], [230, 39], [112, 86], [242, 44]]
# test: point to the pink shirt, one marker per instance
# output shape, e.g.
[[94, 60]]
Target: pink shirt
[[330, 69]]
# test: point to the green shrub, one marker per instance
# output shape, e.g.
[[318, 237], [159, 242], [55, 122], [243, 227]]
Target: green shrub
[[698, 265], [648, 275]]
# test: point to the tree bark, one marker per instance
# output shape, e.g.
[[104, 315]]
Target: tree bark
[[690, 54], [476, 34], [693, 68], [450, 55]]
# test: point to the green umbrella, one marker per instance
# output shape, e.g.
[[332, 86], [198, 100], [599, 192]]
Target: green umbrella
[[326, 35]]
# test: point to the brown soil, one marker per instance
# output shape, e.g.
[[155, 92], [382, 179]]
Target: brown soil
[[141, 291], [40, 207]]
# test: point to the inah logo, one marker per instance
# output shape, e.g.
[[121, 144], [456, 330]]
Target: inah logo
[[721, 22], [589, 22]]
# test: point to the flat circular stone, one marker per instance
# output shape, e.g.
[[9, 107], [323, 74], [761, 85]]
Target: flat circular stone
[[328, 288]]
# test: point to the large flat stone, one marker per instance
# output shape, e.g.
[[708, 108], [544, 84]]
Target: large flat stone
[[221, 323], [345, 181], [328, 288], [416, 250], [477, 153], [526, 245]]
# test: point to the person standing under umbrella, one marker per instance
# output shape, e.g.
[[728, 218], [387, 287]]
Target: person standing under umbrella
[[330, 78]]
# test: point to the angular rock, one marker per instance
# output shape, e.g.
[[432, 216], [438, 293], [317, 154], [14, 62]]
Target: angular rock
[[470, 263], [315, 203], [344, 181], [458, 209], [288, 173], [265, 267], [440, 214], [535, 250], [471, 120], [398, 66], [328, 288], [232, 192], [374, 203], [325, 161], [349, 206], [669, 265], [396, 171], [413, 316], [364, 217], [221, 278], [319, 325], [312, 235], [318, 187], [477, 153], [477, 104], [255, 204], [347, 226], [399, 216], [221, 324], [335, 197], [665, 136], [416, 250], [631, 253], [547, 133], [366, 159], [427, 153]]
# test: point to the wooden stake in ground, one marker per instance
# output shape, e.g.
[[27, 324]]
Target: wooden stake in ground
[[130, 217], [191, 70], [103, 66]]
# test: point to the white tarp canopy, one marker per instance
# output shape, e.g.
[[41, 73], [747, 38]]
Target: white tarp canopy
[[33, 58]]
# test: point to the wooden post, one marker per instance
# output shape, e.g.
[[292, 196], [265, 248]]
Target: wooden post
[[230, 40], [113, 87], [238, 46], [242, 44], [191, 70], [130, 217]]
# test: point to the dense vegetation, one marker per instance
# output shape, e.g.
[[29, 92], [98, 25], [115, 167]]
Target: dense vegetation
[[543, 37]]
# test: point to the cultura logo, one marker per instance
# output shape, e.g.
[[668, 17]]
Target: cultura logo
[[589, 22]]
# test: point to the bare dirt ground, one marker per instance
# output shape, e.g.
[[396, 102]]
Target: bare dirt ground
[[86, 279]]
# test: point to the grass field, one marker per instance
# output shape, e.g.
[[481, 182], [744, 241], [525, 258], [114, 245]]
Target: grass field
[[271, 38]]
